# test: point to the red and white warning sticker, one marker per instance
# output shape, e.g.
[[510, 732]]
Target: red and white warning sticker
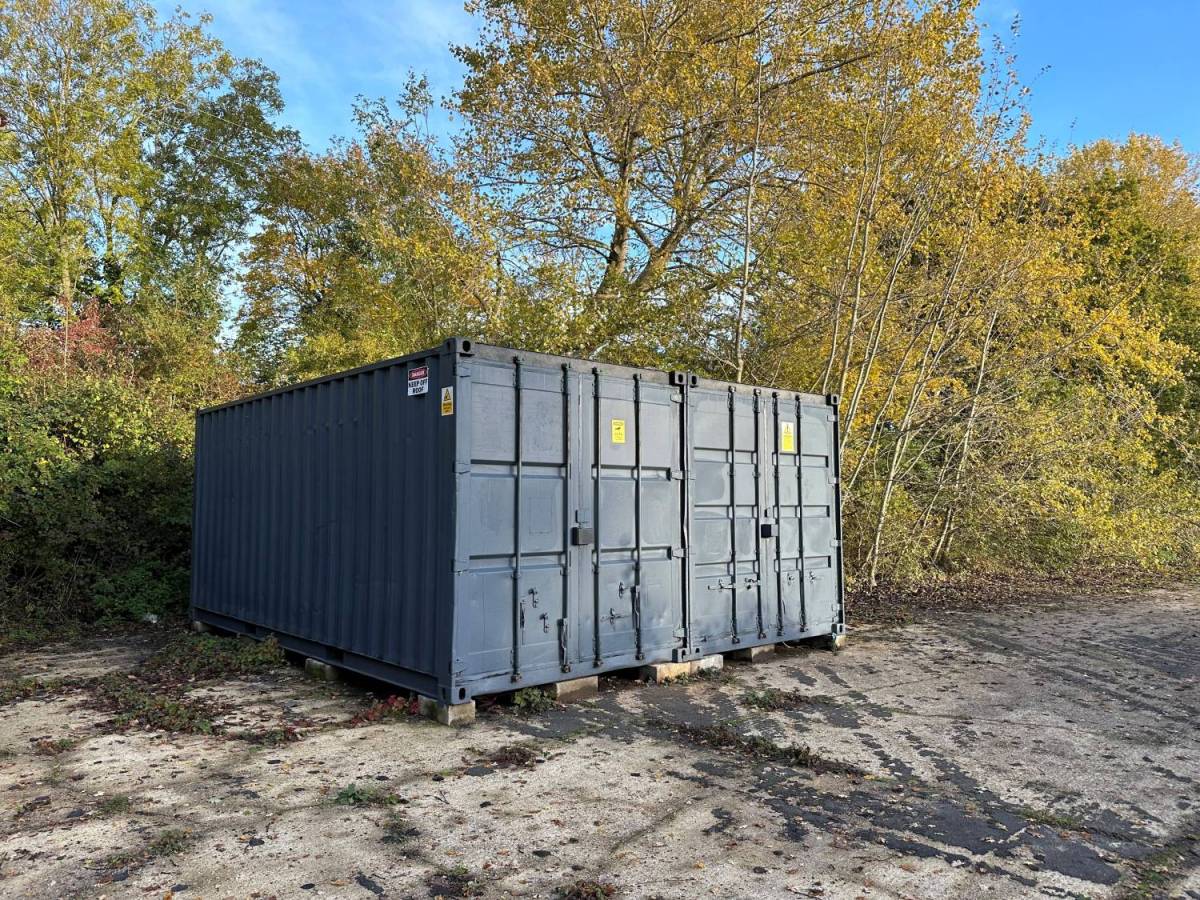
[[418, 381]]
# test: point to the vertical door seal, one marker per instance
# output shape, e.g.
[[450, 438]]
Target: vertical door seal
[[778, 519], [800, 512], [840, 623], [564, 658], [596, 661], [517, 611], [758, 511], [635, 595], [733, 560]]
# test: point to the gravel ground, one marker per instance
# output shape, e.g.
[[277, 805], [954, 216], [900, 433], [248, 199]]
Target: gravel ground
[[1040, 749]]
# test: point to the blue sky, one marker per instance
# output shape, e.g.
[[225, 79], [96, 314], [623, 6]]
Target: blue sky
[[1097, 68]]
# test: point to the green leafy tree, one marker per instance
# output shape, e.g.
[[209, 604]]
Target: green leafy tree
[[131, 157]]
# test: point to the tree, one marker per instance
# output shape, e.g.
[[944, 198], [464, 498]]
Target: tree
[[364, 253], [130, 160], [622, 139]]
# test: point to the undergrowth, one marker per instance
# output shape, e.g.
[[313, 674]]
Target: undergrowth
[[202, 657], [724, 737]]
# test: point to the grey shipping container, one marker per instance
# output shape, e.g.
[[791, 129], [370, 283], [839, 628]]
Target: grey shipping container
[[474, 519]]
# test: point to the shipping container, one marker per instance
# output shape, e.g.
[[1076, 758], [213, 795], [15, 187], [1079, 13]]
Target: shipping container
[[474, 519]]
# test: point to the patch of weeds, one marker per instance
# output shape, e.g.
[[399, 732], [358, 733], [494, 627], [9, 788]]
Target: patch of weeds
[[512, 756], [1156, 873], [455, 882], [169, 843], [1051, 819], [18, 689], [138, 705], [532, 700], [717, 676], [397, 830], [120, 860], [54, 746], [270, 737], [202, 657], [724, 737], [774, 698], [354, 794], [585, 889], [387, 710], [114, 805]]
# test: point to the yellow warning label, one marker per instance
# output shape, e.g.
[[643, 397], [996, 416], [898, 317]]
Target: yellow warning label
[[787, 437], [447, 401], [618, 431]]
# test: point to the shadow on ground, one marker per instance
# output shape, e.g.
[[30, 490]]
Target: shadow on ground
[[1043, 750]]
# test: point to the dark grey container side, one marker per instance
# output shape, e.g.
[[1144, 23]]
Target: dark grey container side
[[324, 515]]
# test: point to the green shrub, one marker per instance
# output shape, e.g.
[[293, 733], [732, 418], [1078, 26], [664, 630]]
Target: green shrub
[[147, 588]]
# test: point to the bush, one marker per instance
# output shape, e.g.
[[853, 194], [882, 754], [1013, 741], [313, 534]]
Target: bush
[[148, 588], [95, 504]]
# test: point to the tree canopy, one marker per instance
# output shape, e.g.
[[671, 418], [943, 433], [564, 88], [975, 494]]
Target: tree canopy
[[837, 197]]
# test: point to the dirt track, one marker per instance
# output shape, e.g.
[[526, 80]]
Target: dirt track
[[1048, 749]]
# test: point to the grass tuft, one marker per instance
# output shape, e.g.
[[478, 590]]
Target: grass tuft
[[114, 805], [354, 794], [170, 842]]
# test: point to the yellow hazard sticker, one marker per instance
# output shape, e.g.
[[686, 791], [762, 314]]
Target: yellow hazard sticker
[[447, 401], [618, 431], [787, 437]]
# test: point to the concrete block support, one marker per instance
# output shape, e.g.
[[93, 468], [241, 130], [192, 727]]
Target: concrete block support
[[201, 627], [752, 654], [835, 642], [322, 671], [448, 713], [574, 689], [669, 671]]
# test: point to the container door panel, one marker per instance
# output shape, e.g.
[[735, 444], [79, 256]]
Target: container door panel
[[820, 533], [484, 640], [514, 508], [629, 501], [726, 497], [538, 613]]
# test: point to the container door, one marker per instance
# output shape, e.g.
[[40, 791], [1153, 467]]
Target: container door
[[515, 529], [726, 551], [629, 519], [821, 545]]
